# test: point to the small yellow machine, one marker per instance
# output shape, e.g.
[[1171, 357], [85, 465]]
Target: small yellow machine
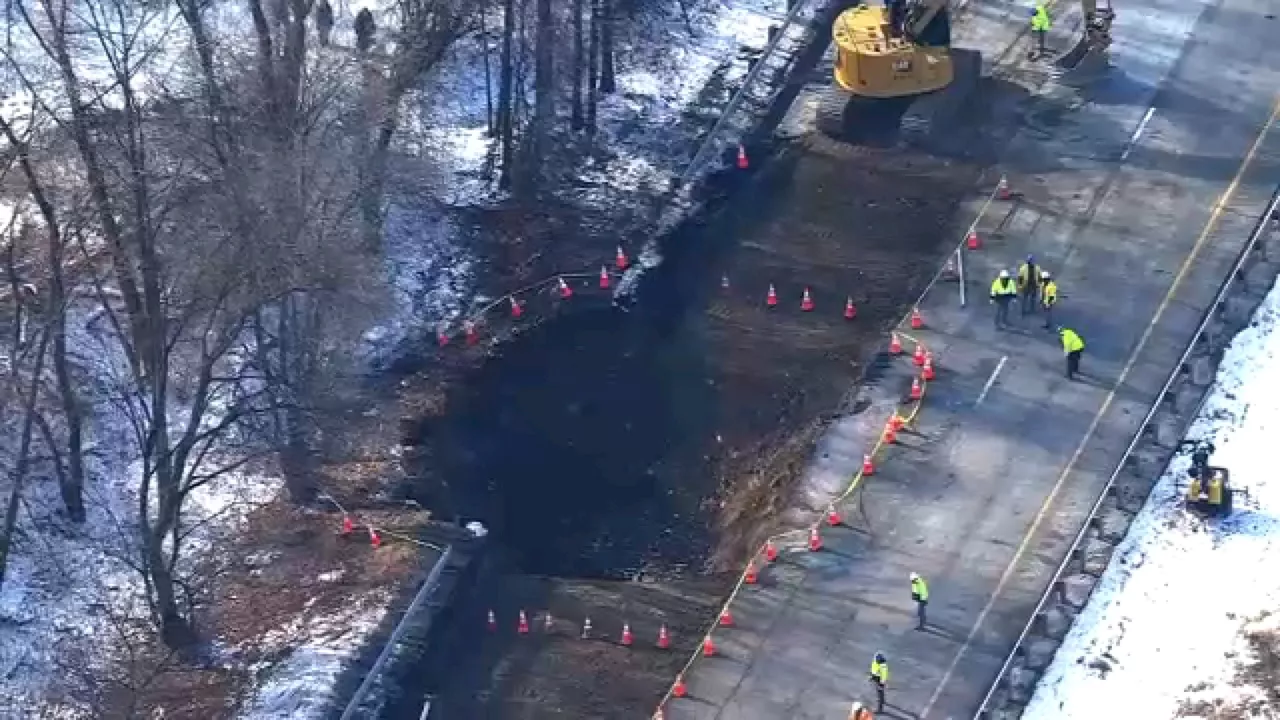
[[1209, 491]]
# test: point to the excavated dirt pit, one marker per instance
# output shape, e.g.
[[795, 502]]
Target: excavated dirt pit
[[658, 442]]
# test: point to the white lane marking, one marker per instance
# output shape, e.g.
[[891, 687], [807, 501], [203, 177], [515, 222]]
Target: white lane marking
[[991, 380], [1133, 139]]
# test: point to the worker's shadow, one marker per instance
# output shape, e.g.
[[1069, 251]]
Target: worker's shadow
[[893, 711]]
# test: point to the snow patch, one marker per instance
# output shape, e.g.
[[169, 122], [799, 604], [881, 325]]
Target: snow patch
[[1160, 635], [302, 684]]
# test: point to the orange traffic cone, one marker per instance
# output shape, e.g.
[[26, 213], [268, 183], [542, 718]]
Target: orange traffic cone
[[604, 278], [664, 638], [770, 551], [470, 329], [928, 372], [918, 357], [742, 158], [1002, 189], [493, 622], [375, 539], [849, 310], [895, 344], [917, 320], [806, 303], [678, 690], [916, 390], [868, 467], [565, 291], [772, 298], [896, 422], [750, 577], [516, 309], [620, 261], [726, 618], [972, 241], [522, 625], [708, 646], [442, 337], [815, 540], [347, 526], [890, 434], [626, 635], [833, 516]]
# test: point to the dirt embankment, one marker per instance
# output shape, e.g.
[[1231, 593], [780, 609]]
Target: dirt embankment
[[654, 444]]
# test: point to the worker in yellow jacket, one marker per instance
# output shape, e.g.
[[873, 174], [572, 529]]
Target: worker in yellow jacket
[[920, 594], [1003, 292], [879, 678], [1048, 297], [1040, 24], [1072, 347]]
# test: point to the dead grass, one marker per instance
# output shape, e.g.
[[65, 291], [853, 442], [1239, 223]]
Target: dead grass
[[1254, 691]]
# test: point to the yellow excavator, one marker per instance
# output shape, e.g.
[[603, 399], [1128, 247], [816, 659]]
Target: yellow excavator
[[895, 69]]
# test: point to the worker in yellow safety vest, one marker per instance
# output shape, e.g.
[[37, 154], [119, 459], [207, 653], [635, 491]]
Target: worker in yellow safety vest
[[1003, 292], [859, 712], [1039, 27], [1048, 297], [920, 594], [1072, 346], [1029, 284], [879, 678]]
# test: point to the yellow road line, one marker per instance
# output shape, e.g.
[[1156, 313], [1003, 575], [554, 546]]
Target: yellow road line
[[1209, 226]]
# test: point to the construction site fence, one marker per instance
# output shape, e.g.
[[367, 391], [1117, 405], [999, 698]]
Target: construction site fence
[[363, 702], [1262, 226]]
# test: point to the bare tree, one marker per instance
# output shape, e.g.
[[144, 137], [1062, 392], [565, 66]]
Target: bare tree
[[579, 59], [506, 93], [593, 65], [71, 472], [608, 78]]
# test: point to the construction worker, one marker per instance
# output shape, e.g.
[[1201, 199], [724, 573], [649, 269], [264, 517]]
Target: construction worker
[[1048, 297], [1072, 347], [1039, 27], [919, 593], [859, 712], [1003, 292], [1029, 284], [879, 678]]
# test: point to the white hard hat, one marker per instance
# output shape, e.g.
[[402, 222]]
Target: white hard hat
[[915, 576], [1044, 274], [1004, 274], [853, 710]]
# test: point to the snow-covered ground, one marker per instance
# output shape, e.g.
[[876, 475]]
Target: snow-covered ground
[[644, 140], [1185, 622]]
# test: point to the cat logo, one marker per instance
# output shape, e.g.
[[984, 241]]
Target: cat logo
[[903, 65]]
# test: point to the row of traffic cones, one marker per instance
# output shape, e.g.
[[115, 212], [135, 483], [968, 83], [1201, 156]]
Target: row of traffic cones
[[972, 240], [349, 527], [626, 638], [470, 328], [921, 358]]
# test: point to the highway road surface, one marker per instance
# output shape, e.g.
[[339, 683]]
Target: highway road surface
[[1137, 192]]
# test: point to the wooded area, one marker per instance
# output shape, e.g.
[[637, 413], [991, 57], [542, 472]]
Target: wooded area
[[198, 194]]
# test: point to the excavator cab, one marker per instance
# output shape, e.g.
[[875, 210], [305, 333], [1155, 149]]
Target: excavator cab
[[1209, 491], [894, 68]]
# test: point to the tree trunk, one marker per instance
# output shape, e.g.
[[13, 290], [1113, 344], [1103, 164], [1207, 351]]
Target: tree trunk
[[575, 120], [71, 482], [23, 462], [608, 79], [544, 85], [506, 94], [593, 66], [488, 76]]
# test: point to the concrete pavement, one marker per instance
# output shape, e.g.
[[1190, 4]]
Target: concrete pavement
[[1137, 193]]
